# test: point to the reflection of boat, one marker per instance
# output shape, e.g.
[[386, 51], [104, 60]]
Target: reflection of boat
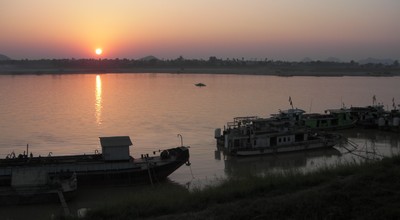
[[241, 166], [36, 186], [113, 166], [369, 135], [269, 136]]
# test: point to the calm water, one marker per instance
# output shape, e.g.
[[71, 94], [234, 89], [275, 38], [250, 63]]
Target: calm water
[[65, 114]]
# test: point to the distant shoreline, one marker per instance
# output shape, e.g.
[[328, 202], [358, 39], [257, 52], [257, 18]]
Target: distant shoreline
[[233, 71], [213, 66]]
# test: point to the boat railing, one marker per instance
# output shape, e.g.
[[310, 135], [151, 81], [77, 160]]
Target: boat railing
[[245, 119], [239, 121]]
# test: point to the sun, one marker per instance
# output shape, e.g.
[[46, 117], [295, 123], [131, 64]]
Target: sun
[[98, 51]]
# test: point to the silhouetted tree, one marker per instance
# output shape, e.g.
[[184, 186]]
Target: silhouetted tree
[[212, 59], [353, 63]]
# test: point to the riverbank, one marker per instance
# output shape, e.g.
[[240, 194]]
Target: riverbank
[[239, 71], [277, 68], [366, 191]]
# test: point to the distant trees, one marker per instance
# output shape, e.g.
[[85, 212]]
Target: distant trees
[[180, 62], [353, 63]]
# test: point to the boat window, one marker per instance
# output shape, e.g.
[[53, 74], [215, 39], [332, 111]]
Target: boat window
[[299, 137]]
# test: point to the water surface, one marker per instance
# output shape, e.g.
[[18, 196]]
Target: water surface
[[65, 114]]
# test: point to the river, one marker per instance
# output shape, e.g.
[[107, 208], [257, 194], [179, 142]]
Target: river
[[65, 114]]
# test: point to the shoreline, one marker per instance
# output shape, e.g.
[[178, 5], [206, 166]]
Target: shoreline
[[366, 190], [231, 71]]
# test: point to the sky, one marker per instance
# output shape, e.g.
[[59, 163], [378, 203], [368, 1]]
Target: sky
[[253, 29]]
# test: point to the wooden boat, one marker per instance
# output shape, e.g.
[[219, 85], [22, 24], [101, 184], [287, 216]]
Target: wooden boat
[[367, 117], [390, 121], [270, 136], [292, 117], [36, 186], [113, 166], [334, 119], [200, 84]]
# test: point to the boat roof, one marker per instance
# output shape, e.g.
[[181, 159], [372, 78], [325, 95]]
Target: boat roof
[[341, 110], [115, 141], [292, 111], [288, 113]]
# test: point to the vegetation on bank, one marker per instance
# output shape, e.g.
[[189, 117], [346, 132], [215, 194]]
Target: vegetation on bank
[[353, 191], [212, 65]]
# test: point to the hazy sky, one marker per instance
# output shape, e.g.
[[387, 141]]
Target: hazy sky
[[273, 29]]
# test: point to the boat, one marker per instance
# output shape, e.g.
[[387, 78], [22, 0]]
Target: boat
[[113, 166], [235, 124], [36, 186], [333, 119], [390, 121], [367, 117], [270, 136], [200, 84], [292, 117]]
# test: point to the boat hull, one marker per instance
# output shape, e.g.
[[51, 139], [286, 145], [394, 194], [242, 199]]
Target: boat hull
[[130, 176], [10, 196], [94, 172]]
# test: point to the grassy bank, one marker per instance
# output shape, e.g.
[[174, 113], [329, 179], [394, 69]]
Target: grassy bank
[[366, 191]]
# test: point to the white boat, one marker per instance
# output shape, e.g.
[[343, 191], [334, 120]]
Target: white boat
[[270, 136], [290, 117]]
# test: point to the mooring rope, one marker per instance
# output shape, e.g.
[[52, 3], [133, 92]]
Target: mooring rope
[[351, 143]]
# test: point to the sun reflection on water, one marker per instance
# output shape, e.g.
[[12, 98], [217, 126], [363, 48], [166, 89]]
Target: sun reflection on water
[[98, 104]]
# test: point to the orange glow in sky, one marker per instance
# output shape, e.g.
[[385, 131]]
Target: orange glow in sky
[[285, 29]]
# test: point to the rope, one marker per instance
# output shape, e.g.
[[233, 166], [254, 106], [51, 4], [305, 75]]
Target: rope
[[191, 172], [356, 148]]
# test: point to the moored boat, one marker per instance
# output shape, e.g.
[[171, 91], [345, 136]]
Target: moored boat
[[367, 117], [291, 117], [113, 166], [390, 121], [280, 143], [333, 119], [269, 136], [200, 84], [376, 116], [36, 186]]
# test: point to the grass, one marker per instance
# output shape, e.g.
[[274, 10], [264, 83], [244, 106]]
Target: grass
[[352, 191]]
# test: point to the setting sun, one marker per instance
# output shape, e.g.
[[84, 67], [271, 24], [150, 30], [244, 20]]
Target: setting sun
[[99, 51]]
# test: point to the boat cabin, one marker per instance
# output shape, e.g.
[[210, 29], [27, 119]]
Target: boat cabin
[[267, 140], [115, 148]]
